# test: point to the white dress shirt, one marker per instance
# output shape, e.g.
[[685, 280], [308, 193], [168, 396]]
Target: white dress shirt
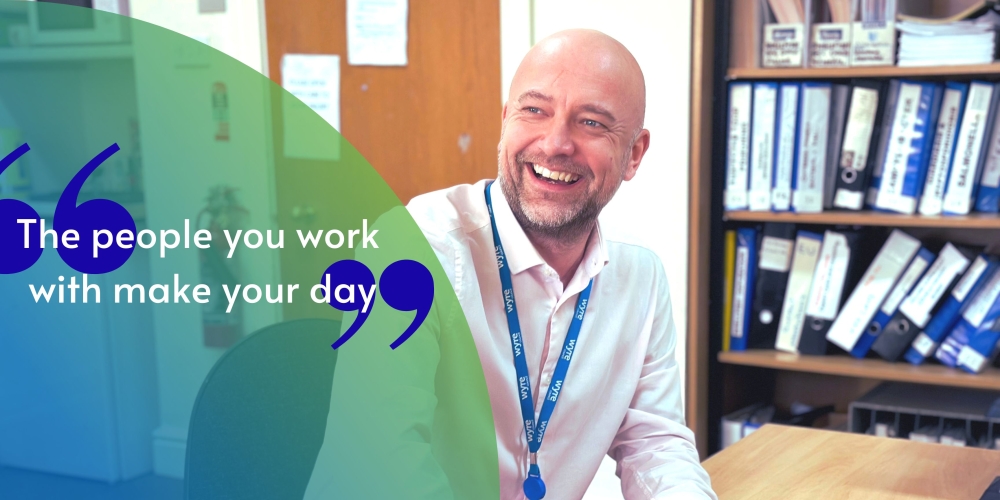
[[621, 396]]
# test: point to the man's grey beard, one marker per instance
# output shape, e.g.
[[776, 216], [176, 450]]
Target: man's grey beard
[[567, 225]]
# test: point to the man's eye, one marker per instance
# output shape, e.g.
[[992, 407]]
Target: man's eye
[[532, 109], [592, 123]]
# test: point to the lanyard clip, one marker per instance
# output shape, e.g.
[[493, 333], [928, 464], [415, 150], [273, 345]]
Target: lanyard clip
[[533, 458]]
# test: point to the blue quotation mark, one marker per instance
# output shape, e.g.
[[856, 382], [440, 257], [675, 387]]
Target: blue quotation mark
[[406, 285], [89, 216]]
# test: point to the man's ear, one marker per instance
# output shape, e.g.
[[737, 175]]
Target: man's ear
[[639, 148], [503, 115]]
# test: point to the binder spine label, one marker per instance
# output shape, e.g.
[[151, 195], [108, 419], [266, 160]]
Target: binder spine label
[[738, 146], [793, 311], [905, 284], [988, 199], [981, 303], [919, 304], [886, 128], [828, 281], [761, 152], [924, 344], [814, 127], [965, 285], [969, 358], [784, 153], [904, 136], [991, 173], [784, 45], [775, 253], [989, 184], [965, 161], [858, 131], [944, 143], [853, 200], [740, 292], [870, 292], [856, 145]]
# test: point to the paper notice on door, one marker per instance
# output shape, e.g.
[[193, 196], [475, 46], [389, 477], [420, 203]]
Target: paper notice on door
[[376, 32], [315, 81], [106, 5]]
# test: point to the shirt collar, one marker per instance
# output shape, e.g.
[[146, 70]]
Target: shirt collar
[[522, 255], [595, 257]]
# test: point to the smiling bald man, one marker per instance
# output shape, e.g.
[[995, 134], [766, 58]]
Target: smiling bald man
[[574, 330]]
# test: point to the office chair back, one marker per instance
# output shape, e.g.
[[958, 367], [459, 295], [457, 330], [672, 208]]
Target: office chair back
[[259, 419]]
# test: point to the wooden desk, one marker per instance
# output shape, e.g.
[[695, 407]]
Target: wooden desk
[[794, 462]]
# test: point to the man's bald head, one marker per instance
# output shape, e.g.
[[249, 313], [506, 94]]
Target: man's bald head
[[572, 132], [587, 51]]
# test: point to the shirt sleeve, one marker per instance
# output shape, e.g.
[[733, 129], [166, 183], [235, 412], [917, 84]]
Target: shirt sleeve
[[655, 451]]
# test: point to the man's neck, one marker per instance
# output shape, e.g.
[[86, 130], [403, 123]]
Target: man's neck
[[562, 254]]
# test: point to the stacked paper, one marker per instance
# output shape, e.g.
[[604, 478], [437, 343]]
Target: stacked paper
[[960, 42]]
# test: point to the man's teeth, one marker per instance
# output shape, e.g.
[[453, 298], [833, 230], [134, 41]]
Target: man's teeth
[[556, 176]]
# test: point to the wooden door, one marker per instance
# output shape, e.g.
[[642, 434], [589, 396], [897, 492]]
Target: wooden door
[[431, 124]]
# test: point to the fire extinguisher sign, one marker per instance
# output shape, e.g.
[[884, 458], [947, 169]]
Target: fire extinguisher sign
[[220, 111]]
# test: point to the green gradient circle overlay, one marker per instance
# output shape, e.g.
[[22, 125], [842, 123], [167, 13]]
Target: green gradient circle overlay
[[409, 423]]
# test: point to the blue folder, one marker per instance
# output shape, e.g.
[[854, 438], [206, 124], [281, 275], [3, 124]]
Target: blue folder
[[746, 238], [948, 315]]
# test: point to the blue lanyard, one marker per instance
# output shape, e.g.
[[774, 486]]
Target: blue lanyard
[[534, 430]]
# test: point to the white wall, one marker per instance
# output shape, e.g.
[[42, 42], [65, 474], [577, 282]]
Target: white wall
[[245, 163], [653, 207], [239, 32]]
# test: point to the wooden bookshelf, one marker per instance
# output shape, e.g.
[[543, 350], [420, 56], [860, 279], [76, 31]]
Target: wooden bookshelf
[[869, 218], [846, 366], [718, 382], [967, 71]]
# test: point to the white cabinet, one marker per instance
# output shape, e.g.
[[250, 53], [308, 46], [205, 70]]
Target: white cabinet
[[77, 381]]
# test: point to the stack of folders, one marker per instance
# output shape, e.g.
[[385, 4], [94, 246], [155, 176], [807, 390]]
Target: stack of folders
[[894, 146], [809, 292], [958, 42]]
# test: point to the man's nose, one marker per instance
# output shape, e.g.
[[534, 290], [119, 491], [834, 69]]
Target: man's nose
[[558, 140]]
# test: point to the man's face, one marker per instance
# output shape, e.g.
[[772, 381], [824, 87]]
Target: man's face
[[567, 144]]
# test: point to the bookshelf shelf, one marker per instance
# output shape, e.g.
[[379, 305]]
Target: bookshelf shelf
[[877, 369], [974, 70], [869, 218]]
